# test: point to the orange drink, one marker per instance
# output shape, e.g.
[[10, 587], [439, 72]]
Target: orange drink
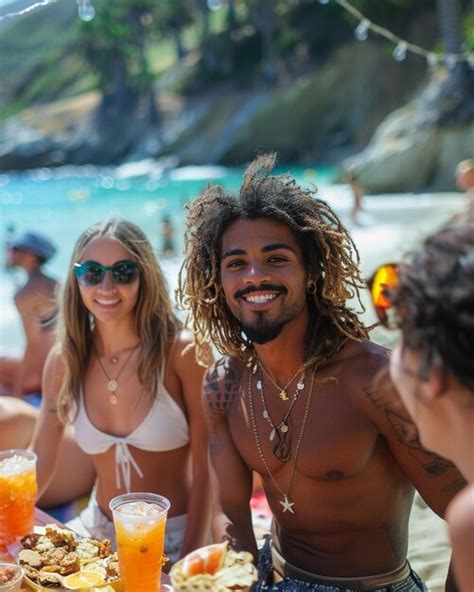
[[17, 495], [139, 521]]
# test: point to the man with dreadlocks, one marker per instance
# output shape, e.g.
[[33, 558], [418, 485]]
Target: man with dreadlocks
[[267, 276]]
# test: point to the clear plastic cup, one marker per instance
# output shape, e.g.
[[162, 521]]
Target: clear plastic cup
[[18, 490], [11, 575], [139, 522]]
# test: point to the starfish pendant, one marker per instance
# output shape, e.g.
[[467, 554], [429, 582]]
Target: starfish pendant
[[287, 505]]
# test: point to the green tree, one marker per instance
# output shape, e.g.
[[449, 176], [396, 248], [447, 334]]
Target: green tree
[[114, 44]]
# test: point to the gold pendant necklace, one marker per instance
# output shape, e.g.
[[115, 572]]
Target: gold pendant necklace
[[284, 390], [282, 448], [113, 383], [286, 502]]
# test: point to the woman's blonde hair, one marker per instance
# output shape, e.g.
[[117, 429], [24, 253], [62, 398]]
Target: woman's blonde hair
[[155, 322]]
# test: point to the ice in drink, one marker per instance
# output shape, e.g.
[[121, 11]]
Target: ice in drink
[[18, 490], [139, 521]]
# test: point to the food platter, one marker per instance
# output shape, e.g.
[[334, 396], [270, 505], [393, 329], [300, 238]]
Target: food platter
[[55, 559]]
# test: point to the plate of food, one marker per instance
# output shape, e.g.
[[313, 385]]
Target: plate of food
[[56, 559], [215, 568]]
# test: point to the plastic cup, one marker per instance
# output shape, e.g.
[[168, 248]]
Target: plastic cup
[[13, 574], [139, 522], [18, 490]]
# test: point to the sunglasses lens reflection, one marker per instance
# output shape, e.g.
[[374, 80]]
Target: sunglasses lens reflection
[[385, 280], [90, 274], [124, 272]]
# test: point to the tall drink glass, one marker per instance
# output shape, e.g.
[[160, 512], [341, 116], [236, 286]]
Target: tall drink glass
[[139, 521], [17, 495]]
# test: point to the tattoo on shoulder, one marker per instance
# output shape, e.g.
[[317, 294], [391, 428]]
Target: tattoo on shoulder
[[407, 433], [221, 387]]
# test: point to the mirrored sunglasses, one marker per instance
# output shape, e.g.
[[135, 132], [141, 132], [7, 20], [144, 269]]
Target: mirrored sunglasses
[[91, 273], [381, 285]]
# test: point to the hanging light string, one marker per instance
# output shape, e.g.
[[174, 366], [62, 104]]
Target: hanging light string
[[27, 9], [402, 46], [84, 7]]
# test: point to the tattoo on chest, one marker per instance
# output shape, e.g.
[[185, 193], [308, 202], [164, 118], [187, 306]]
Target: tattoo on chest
[[406, 432], [220, 394]]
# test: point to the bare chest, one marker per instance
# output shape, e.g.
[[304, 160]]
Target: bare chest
[[324, 437]]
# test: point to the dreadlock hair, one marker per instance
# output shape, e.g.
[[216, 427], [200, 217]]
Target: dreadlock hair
[[434, 303], [330, 256]]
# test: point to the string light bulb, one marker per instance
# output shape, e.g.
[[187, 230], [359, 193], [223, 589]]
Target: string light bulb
[[85, 10], [361, 32], [400, 52]]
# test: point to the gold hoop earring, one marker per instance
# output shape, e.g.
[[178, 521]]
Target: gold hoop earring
[[311, 287]]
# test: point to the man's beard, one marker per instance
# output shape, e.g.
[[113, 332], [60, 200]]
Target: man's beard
[[262, 330]]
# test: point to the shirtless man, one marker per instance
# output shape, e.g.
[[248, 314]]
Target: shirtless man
[[267, 275], [35, 302]]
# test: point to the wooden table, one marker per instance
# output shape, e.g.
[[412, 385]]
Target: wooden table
[[42, 518]]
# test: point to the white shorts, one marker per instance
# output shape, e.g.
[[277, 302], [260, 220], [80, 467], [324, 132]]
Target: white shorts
[[92, 522]]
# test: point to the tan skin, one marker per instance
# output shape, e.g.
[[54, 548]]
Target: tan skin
[[34, 301], [360, 457], [443, 410], [181, 475]]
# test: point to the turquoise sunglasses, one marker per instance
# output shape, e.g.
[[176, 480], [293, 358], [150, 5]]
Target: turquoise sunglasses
[[91, 273]]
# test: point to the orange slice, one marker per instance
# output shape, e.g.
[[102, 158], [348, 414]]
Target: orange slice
[[83, 579], [206, 560]]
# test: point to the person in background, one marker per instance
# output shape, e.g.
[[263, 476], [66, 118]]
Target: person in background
[[431, 300], [267, 276], [124, 373], [167, 237], [357, 193], [465, 181], [36, 304], [74, 475]]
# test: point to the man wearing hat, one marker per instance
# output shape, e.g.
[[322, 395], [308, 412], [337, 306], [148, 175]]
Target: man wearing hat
[[36, 303]]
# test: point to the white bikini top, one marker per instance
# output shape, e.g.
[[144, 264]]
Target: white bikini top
[[164, 428]]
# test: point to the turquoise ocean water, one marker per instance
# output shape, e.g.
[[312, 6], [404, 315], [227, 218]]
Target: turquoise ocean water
[[61, 203]]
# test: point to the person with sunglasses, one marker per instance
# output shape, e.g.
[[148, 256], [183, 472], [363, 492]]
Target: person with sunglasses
[[431, 300], [124, 374], [268, 274]]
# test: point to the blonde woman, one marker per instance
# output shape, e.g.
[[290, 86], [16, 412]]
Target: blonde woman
[[124, 374]]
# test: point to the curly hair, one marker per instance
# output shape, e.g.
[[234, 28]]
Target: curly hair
[[330, 258], [434, 302]]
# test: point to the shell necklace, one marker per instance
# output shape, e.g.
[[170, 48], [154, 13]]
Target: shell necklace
[[286, 502]]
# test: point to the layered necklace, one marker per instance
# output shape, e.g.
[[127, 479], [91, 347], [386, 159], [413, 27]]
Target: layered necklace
[[282, 447], [284, 390], [286, 502], [113, 382]]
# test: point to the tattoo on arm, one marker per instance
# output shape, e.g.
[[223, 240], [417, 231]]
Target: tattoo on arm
[[220, 392], [406, 432], [455, 486]]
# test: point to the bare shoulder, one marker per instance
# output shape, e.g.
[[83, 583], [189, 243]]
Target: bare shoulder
[[222, 384], [53, 372], [359, 365]]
